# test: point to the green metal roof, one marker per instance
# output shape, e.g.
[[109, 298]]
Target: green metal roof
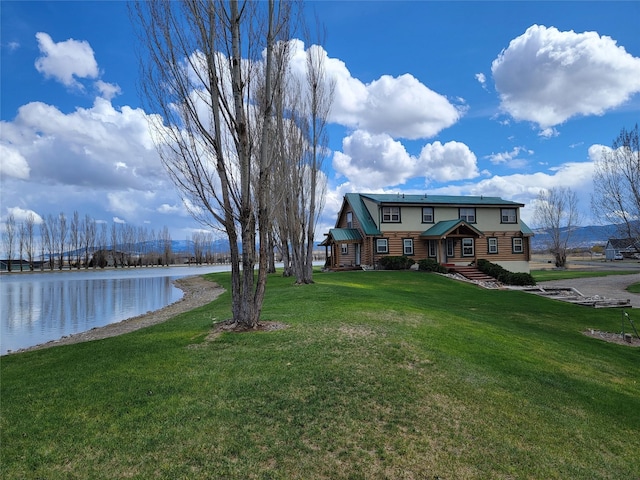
[[425, 199], [526, 231], [345, 235], [362, 214], [444, 227]]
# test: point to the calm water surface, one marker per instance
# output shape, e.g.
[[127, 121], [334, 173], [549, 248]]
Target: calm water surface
[[38, 307]]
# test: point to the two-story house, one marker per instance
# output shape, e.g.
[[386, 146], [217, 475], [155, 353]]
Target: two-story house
[[452, 230]]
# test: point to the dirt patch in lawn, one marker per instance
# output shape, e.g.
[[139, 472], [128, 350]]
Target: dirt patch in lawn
[[628, 340]]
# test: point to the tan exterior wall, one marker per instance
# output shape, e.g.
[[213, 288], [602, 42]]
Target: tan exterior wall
[[488, 218]]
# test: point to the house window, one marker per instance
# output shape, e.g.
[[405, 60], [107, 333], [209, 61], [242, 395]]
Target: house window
[[407, 246], [467, 247], [450, 247], [344, 249], [382, 245], [349, 219], [391, 214], [518, 246], [427, 214], [492, 244], [508, 215], [468, 215], [433, 248]]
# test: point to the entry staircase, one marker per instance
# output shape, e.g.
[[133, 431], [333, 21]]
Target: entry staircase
[[471, 273]]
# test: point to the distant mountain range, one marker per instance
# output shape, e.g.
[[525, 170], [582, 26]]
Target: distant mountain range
[[581, 237]]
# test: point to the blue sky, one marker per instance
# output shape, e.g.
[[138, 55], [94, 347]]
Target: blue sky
[[462, 98]]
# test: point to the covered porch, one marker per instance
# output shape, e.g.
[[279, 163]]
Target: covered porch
[[452, 242], [343, 248]]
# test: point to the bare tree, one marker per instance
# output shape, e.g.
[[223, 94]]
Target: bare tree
[[164, 238], [556, 212], [48, 231], [61, 240], [199, 75], [616, 184], [88, 238], [9, 238], [115, 237], [22, 243], [312, 185], [74, 234], [29, 227], [100, 260], [303, 107]]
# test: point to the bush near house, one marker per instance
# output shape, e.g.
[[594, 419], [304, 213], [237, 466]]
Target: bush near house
[[503, 275], [396, 262], [431, 265]]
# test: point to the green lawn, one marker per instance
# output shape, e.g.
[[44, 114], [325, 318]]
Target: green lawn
[[399, 375], [547, 275], [634, 288]]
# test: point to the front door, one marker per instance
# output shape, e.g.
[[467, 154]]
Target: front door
[[357, 253]]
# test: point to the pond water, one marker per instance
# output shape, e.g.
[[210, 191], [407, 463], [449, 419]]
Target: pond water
[[39, 307]]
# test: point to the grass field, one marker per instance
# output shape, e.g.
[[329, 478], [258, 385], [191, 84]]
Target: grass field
[[399, 375], [548, 275]]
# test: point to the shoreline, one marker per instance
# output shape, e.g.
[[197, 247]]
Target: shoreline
[[197, 292]]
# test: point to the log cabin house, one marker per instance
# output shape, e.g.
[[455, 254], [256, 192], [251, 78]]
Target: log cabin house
[[453, 230]]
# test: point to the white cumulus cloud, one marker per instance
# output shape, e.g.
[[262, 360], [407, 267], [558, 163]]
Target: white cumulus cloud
[[378, 161], [547, 76], [448, 162], [66, 61], [12, 163], [402, 107], [86, 147]]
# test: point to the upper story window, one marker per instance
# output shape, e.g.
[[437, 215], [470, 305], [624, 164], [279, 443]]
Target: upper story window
[[349, 219], [468, 215], [391, 214], [508, 215], [427, 215]]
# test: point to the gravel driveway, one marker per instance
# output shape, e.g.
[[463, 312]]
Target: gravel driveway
[[611, 286]]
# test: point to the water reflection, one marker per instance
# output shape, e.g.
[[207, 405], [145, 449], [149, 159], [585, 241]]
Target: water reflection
[[37, 308]]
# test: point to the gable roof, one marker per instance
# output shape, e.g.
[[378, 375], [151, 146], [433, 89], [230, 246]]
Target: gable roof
[[624, 243], [445, 227], [425, 199], [345, 234], [362, 214]]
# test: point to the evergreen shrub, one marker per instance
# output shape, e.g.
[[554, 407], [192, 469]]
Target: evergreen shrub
[[430, 265], [503, 275], [395, 262]]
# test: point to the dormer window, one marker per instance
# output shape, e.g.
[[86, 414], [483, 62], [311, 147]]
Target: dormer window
[[391, 214], [508, 215], [468, 215], [427, 214]]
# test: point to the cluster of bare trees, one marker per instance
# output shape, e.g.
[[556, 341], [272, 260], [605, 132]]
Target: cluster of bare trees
[[240, 134], [616, 184], [615, 199], [81, 242]]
